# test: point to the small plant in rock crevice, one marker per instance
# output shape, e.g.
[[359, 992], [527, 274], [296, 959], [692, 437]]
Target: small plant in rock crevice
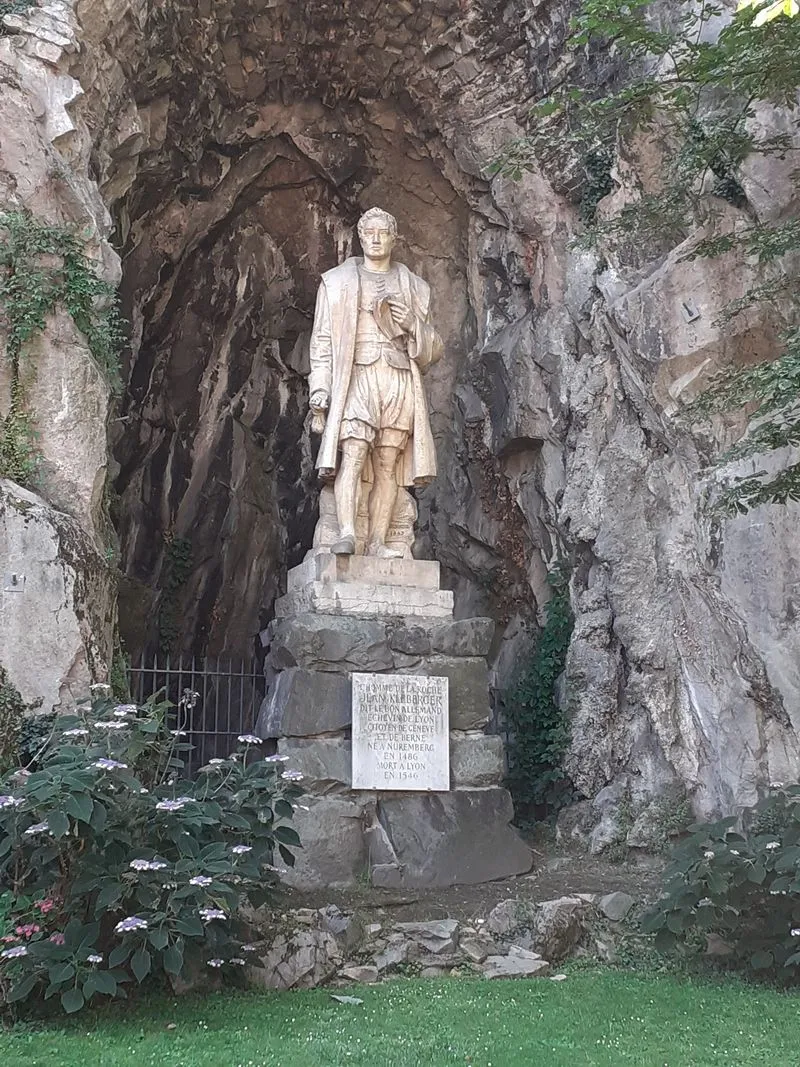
[[115, 868], [538, 726]]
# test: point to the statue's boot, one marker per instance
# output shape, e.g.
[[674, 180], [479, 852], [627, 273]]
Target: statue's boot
[[382, 551], [345, 546]]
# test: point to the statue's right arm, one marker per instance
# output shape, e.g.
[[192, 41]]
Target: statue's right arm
[[319, 380]]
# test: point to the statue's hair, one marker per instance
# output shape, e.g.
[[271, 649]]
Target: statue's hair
[[378, 213]]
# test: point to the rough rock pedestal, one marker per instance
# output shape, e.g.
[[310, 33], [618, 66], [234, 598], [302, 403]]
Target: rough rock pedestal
[[344, 615]]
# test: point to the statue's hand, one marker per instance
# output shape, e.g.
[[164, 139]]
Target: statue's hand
[[401, 313], [319, 401]]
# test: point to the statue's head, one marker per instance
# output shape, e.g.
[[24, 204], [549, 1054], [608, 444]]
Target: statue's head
[[377, 231]]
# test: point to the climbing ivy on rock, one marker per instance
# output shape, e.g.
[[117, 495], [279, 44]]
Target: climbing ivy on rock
[[178, 564], [693, 94], [538, 725], [43, 267]]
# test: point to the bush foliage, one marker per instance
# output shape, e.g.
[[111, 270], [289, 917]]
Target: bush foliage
[[743, 886], [116, 868]]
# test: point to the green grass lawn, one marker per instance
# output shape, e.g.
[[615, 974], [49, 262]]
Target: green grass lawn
[[601, 1017]]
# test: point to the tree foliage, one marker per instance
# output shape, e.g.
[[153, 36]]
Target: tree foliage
[[695, 89]]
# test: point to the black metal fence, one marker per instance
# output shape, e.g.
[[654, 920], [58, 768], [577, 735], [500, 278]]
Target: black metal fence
[[214, 700]]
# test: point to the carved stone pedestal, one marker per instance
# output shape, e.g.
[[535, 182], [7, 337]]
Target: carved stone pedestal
[[378, 618]]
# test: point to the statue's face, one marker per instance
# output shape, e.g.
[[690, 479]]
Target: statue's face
[[377, 239]]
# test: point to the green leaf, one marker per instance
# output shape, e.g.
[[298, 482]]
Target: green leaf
[[761, 961], [173, 959], [140, 964], [108, 897], [283, 809], [99, 817], [189, 925], [158, 938], [118, 955], [286, 835], [288, 857], [21, 989], [79, 806], [58, 822], [757, 874], [675, 922], [60, 973], [72, 1000], [105, 983]]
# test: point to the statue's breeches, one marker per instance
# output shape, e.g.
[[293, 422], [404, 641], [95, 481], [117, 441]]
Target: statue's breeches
[[380, 405]]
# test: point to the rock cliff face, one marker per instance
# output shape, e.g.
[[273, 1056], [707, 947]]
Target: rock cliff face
[[234, 145]]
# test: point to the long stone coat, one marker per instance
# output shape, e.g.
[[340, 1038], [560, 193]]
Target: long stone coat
[[332, 354]]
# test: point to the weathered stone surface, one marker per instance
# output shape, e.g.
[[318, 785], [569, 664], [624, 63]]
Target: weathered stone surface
[[476, 949], [458, 838], [304, 960], [476, 759], [367, 570], [559, 926], [364, 974], [334, 853], [325, 763], [514, 967], [509, 916], [330, 643], [462, 637], [441, 929], [365, 600], [57, 616], [468, 679], [303, 703], [392, 956], [615, 906]]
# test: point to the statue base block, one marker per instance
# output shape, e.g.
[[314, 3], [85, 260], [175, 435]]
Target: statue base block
[[366, 587], [358, 614]]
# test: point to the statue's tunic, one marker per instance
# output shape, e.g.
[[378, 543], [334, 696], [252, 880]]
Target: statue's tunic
[[379, 407], [374, 383]]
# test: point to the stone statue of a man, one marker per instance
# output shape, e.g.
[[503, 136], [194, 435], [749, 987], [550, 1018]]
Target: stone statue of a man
[[371, 342]]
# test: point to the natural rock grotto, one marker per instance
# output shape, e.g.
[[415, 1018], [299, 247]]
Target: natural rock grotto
[[215, 156]]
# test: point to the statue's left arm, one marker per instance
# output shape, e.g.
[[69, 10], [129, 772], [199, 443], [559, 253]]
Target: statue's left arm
[[424, 343]]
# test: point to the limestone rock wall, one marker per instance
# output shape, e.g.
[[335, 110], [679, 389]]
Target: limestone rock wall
[[235, 145]]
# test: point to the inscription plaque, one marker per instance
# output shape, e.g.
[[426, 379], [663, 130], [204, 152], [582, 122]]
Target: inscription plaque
[[401, 737]]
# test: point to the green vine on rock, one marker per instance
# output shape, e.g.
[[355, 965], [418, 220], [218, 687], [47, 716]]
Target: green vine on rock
[[42, 267], [538, 726], [178, 564]]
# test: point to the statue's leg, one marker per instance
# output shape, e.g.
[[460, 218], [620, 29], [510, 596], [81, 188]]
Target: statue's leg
[[345, 490], [382, 500]]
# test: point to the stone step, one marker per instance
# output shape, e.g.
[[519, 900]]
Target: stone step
[[365, 600], [324, 567]]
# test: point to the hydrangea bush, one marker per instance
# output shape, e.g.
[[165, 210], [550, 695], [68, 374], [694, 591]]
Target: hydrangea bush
[[743, 886], [115, 866]]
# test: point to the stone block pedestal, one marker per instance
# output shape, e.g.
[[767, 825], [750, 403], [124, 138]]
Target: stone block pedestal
[[346, 615]]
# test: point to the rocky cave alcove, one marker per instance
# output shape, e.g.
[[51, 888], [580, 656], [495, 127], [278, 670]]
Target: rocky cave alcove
[[225, 151], [264, 134]]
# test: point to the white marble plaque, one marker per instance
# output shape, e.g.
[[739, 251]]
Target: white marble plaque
[[401, 737]]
